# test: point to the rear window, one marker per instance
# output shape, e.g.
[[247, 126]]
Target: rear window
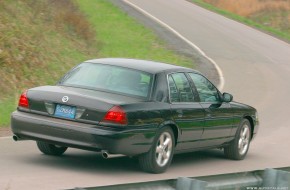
[[109, 78]]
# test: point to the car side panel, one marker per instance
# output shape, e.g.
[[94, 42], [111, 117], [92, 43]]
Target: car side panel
[[218, 124], [189, 117], [242, 111]]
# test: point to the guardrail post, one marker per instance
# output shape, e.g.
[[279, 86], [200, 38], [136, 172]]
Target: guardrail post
[[184, 183], [276, 178]]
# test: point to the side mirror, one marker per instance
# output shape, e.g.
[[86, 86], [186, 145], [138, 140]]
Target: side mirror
[[227, 97]]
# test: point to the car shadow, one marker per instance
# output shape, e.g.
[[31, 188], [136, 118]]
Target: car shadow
[[83, 161]]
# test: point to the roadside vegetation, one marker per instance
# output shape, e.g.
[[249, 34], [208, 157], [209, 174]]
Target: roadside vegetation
[[121, 36], [272, 16], [41, 39]]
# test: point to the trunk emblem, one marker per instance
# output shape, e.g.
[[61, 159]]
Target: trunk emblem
[[65, 99]]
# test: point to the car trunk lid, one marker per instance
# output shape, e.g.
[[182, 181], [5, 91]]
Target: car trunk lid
[[74, 103]]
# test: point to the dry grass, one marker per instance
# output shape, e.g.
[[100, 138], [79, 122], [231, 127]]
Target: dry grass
[[249, 7], [34, 36], [67, 12], [270, 13]]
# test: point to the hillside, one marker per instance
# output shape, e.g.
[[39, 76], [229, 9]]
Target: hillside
[[35, 36], [40, 40]]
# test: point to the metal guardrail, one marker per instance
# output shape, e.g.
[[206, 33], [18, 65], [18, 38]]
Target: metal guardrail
[[268, 179]]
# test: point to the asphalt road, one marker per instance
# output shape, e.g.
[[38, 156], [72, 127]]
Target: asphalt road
[[256, 69]]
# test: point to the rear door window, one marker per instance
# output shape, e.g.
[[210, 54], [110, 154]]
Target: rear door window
[[179, 88]]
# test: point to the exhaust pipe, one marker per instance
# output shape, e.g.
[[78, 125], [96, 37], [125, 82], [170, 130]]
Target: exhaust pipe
[[107, 155], [16, 138]]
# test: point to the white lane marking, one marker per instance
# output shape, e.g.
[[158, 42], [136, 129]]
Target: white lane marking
[[220, 73]]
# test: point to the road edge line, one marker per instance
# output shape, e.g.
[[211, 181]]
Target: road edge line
[[219, 71]]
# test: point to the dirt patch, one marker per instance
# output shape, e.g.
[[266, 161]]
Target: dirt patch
[[5, 131]]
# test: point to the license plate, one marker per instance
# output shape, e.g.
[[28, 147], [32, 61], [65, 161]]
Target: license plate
[[65, 111]]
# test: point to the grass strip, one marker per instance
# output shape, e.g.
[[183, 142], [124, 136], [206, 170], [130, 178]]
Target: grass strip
[[122, 36]]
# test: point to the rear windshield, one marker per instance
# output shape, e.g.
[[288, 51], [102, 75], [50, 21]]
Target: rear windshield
[[109, 78]]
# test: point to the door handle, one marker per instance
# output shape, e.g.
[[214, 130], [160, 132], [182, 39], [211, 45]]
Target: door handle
[[179, 113]]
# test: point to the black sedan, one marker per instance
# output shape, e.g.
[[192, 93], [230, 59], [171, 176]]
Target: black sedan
[[139, 108]]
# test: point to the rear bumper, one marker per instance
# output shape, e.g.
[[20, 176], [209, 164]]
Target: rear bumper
[[80, 135]]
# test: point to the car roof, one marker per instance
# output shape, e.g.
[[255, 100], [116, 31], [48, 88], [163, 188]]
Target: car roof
[[142, 65]]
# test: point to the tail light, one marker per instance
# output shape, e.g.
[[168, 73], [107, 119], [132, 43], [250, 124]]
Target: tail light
[[116, 115], [23, 100]]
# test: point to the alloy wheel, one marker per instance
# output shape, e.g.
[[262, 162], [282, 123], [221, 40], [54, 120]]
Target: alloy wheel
[[163, 149], [244, 140]]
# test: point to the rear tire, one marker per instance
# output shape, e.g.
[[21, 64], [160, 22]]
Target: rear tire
[[50, 149], [159, 157], [238, 148]]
